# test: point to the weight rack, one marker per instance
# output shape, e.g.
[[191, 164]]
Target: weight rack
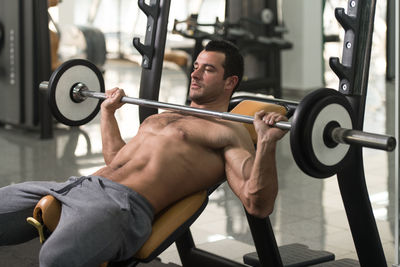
[[152, 51], [353, 73]]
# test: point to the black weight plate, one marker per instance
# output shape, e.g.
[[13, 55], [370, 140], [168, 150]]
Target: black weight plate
[[298, 123], [325, 158], [299, 149], [61, 82]]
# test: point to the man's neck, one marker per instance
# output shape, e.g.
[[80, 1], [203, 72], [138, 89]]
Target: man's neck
[[211, 106]]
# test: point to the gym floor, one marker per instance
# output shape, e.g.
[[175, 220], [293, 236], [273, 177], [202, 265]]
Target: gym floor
[[308, 211]]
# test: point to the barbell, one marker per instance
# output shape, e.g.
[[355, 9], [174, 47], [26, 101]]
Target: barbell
[[320, 132]]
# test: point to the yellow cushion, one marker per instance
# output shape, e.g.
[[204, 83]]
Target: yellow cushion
[[250, 107], [171, 219], [48, 212]]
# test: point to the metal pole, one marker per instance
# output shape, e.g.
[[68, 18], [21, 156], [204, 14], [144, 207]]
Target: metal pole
[[151, 78], [351, 178], [346, 136], [397, 133]]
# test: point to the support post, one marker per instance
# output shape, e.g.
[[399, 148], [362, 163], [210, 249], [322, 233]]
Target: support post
[[353, 73], [266, 246], [193, 257], [397, 130], [152, 51]]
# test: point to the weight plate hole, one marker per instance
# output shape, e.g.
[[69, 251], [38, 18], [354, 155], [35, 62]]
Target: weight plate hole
[[327, 135]]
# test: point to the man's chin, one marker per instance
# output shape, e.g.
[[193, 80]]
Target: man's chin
[[194, 94], [195, 98]]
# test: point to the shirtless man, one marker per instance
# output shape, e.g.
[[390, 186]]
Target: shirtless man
[[107, 216]]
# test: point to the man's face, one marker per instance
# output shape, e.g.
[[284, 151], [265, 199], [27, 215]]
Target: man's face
[[207, 78]]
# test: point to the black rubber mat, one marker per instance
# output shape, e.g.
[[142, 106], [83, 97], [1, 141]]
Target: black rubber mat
[[294, 255], [341, 263]]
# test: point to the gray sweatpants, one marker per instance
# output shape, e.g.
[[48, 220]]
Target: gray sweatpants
[[100, 220]]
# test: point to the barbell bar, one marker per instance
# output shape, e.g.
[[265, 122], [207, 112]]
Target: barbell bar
[[80, 92], [321, 132]]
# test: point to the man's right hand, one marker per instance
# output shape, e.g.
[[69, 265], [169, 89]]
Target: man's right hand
[[113, 100]]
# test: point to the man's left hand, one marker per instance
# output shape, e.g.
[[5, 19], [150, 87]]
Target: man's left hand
[[264, 125]]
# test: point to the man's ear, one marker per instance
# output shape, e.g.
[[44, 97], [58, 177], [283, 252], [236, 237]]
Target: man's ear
[[231, 82]]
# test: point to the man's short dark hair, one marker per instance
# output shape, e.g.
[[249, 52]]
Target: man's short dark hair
[[234, 64]]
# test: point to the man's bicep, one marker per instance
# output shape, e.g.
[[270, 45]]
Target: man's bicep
[[238, 166], [239, 158]]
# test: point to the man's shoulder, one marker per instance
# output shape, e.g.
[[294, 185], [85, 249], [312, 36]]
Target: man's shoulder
[[240, 131]]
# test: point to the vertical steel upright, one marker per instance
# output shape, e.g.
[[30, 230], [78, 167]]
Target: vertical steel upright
[[397, 119], [353, 73], [152, 51]]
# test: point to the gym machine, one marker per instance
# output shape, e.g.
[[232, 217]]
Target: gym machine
[[24, 60], [353, 73], [259, 36], [86, 40]]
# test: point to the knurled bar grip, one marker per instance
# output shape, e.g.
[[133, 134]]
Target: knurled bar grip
[[339, 135]]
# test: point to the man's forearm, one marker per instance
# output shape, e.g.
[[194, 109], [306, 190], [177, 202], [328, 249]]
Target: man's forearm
[[111, 136], [262, 186]]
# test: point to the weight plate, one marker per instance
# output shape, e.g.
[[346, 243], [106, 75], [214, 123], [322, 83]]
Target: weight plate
[[298, 123], [61, 82], [324, 157], [306, 150]]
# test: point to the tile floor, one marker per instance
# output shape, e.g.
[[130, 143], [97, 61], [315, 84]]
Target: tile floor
[[308, 211]]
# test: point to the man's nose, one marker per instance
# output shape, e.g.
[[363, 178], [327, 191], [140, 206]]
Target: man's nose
[[195, 74]]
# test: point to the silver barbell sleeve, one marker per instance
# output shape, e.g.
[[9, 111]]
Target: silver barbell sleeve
[[339, 135], [371, 140]]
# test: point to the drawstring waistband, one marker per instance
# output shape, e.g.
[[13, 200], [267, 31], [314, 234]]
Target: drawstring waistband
[[104, 182], [71, 185]]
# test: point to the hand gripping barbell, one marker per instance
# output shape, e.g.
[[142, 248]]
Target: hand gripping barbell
[[320, 131]]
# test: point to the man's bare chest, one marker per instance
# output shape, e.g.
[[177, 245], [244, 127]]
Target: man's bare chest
[[209, 132]]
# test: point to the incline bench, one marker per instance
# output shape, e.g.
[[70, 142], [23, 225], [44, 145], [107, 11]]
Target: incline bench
[[172, 224]]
